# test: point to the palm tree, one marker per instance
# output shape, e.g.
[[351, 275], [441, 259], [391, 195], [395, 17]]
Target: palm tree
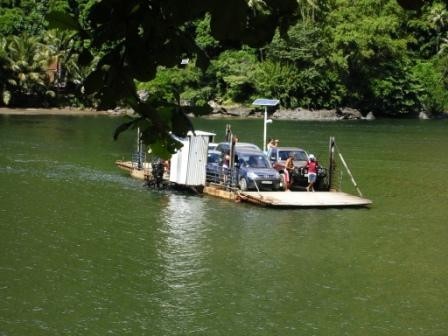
[[4, 93], [24, 67], [307, 9], [439, 18], [62, 45]]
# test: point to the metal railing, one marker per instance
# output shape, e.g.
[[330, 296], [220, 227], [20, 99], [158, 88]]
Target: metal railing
[[138, 159], [227, 177]]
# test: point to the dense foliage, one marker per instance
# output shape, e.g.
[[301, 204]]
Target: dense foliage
[[385, 56]]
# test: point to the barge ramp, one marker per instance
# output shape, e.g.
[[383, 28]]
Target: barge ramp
[[289, 199], [301, 199]]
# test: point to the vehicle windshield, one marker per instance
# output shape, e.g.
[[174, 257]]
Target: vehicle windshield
[[297, 155], [213, 158], [254, 161]]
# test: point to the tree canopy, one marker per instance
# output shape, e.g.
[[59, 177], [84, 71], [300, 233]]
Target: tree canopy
[[387, 56], [135, 38]]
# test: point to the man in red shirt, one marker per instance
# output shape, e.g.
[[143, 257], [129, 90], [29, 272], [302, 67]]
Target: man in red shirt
[[312, 172]]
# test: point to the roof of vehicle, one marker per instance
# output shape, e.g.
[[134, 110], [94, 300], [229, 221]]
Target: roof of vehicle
[[281, 154], [248, 151], [288, 148], [239, 145], [212, 145]]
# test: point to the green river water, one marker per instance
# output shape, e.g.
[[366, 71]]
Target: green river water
[[87, 250]]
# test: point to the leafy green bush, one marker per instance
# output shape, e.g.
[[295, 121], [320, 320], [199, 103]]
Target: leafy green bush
[[276, 80], [434, 93], [231, 74]]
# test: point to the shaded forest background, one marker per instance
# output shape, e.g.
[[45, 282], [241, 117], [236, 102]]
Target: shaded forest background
[[372, 55]]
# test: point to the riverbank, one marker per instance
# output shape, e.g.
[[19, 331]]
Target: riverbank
[[60, 111], [342, 113], [289, 114], [219, 113]]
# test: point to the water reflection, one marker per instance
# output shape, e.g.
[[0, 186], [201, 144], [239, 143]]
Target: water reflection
[[181, 249]]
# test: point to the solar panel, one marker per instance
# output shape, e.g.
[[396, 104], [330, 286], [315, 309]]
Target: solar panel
[[265, 102]]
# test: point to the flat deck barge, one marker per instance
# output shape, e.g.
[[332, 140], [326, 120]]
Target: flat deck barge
[[278, 199]]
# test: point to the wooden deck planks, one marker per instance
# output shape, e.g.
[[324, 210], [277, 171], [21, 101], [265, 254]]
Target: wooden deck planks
[[141, 174]]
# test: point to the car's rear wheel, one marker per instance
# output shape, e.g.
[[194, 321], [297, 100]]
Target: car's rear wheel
[[243, 184]]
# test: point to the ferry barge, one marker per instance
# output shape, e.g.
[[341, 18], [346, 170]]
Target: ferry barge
[[187, 169]]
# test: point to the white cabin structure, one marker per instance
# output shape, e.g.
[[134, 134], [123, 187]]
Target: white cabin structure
[[188, 164]]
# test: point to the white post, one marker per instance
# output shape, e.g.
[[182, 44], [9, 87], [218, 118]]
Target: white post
[[139, 150], [264, 129], [138, 139], [265, 102]]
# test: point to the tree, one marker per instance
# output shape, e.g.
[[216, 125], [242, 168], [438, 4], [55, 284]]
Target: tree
[[135, 37], [62, 46], [315, 80], [204, 39], [279, 80], [434, 94], [23, 16], [372, 53], [232, 75], [24, 64], [177, 86]]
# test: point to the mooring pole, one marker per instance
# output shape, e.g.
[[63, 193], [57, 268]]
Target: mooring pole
[[331, 165], [231, 169], [139, 150], [265, 119]]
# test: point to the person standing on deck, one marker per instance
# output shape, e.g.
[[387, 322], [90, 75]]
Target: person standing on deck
[[311, 166], [270, 144], [225, 165], [289, 169]]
